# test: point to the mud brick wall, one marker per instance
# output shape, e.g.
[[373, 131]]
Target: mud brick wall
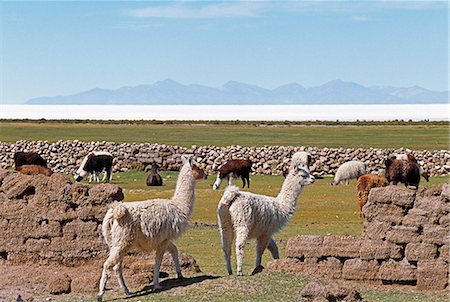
[[405, 241], [48, 219]]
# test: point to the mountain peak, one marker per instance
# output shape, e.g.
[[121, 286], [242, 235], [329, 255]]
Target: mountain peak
[[170, 92]]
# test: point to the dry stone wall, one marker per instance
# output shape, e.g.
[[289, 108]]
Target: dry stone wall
[[405, 241], [48, 219], [65, 156]]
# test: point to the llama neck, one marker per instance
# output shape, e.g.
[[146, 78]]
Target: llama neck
[[288, 196], [185, 191]]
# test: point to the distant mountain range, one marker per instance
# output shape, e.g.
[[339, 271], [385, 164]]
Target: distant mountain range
[[169, 92]]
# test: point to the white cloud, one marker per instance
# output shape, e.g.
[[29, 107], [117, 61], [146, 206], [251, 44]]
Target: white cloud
[[189, 11], [236, 9]]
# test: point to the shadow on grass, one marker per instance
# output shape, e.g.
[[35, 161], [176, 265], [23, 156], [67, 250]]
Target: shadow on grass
[[169, 284]]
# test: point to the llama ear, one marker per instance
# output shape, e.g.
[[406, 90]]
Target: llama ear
[[186, 159]]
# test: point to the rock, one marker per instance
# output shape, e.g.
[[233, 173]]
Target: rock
[[432, 274], [314, 290], [357, 269], [398, 272], [341, 246], [304, 246], [58, 284]]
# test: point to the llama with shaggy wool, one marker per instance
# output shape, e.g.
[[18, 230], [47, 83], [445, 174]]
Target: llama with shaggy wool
[[34, 170], [349, 170], [364, 184], [257, 216], [149, 225], [300, 157]]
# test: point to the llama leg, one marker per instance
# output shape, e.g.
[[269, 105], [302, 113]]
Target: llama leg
[[119, 275], [273, 248], [158, 258], [174, 252], [261, 244], [114, 258], [230, 179], [243, 181], [241, 239], [248, 181], [226, 234], [90, 177]]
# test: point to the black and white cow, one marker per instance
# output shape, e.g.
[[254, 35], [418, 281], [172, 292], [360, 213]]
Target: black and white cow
[[93, 164]]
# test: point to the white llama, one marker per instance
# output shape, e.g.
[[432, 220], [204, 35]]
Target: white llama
[[149, 225], [258, 216]]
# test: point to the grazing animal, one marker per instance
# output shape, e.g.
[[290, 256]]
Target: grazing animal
[[410, 157], [149, 225], [364, 184], [257, 216], [93, 164], [34, 170], [28, 158], [234, 168], [154, 179], [400, 171], [300, 157], [349, 170]]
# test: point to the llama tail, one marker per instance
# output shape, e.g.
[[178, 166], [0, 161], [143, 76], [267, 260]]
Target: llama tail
[[226, 224], [116, 212], [229, 195], [223, 213]]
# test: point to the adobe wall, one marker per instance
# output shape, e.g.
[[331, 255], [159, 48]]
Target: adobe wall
[[405, 241], [48, 219]]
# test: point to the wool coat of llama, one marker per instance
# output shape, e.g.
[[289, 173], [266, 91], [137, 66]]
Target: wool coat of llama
[[364, 184], [149, 225], [349, 170], [251, 215]]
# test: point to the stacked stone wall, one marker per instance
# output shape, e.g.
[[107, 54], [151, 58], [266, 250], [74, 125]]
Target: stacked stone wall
[[65, 156], [48, 219], [405, 241]]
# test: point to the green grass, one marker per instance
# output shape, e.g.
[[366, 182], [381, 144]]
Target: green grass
[[322, 209], [415, 137]]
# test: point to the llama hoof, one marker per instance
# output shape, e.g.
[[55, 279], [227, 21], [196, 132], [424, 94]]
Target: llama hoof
[[99, 298], [157, 287], [257, 270], [240, 274], [180, 276]]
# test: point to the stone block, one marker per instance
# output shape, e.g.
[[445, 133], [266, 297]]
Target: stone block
[[432, 274], [378, 249], [357, 269], [376, 230], [420, 251], [444, 253], [432, 204], [341, 246], [383, 212], [403, 234], [414, 220], [304, 246], [393, 194], [397, 272], [435, 234]]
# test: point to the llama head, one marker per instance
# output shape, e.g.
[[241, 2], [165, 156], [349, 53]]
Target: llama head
[[302, 172], [198, 172], [426, 175]]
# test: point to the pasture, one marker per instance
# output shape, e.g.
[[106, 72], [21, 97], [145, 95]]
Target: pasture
[[322, 209], [415, 136]]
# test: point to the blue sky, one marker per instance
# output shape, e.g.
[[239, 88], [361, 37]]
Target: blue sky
[[61, 48]]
